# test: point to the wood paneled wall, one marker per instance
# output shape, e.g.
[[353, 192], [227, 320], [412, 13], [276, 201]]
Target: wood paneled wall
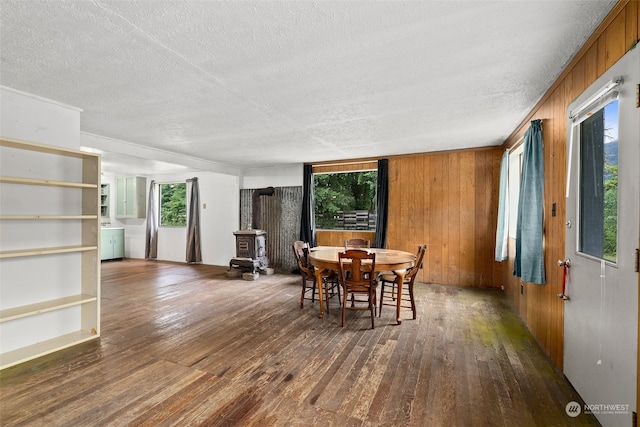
[[447, 201], [538, 305]]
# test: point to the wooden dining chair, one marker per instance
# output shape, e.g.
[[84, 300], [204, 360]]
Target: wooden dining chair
[[354, 267], [307, 272], [356, 242], [407, 297]]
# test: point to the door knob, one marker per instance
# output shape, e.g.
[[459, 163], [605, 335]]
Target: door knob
[[565, 263]]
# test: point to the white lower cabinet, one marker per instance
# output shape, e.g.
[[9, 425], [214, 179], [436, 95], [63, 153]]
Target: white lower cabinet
[[111, 243]]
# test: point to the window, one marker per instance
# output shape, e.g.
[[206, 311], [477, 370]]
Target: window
[[515, 173], [173, 206], [598, 202], [345, 200]]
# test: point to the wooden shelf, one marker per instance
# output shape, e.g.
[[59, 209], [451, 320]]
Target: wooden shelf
[[44, 217], [84, 275], [45, 251], [45, 182], [41, 148], [36, 350], [44, 306]]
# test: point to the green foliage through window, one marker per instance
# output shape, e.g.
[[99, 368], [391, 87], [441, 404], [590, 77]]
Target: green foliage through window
[[345, 200], [173, 205], [611, 213]]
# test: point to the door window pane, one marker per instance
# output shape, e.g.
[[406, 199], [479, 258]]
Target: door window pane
[[599, 183]]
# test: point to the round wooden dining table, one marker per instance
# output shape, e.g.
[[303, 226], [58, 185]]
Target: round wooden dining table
[[325, 258]]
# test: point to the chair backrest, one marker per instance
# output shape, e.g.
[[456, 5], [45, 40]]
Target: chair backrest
[[299, 248], [356, 266], [413, 271], [357, 242], [300, 252]]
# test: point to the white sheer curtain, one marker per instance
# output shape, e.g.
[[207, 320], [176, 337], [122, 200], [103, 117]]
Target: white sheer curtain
[[502, 229]]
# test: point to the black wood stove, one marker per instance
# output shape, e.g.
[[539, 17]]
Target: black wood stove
[[251, 244], [251, 250]]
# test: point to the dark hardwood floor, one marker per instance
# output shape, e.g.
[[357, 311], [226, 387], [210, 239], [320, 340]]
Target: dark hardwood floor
[[185, 345]]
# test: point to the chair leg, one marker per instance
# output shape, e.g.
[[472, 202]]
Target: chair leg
[[375, 298], [326, 296], [344, 305], [413, 302], [304, 288], [313, 292], [381, 297], [372, 300]]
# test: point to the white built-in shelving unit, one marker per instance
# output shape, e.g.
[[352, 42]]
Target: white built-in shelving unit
[[49, 249]]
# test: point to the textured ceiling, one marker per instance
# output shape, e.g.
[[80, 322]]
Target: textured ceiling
[[253, 84]]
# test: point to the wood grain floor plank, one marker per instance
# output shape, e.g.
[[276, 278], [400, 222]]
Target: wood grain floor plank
[[183, 345], [390, 405]]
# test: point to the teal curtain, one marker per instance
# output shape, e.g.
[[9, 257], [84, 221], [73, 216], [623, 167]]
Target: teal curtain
[[529, 257], [502, 229]]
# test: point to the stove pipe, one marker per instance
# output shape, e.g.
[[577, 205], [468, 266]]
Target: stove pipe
[[255, 205]]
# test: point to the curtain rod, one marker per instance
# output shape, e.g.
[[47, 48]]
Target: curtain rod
[[521, 139], [357, 162]]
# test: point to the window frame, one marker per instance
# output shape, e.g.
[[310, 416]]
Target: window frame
[[338, 169], [576, 143]]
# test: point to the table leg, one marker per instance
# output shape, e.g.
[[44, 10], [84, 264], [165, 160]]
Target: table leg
[[319, 272], [399, 279]]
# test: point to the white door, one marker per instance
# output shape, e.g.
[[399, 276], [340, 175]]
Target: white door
[[601, 314]]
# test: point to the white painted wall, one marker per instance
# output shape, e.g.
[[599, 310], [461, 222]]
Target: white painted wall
[[276, 176], [35, 119], [219, 216]]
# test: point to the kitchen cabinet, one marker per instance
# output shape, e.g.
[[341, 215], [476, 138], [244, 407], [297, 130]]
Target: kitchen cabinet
[[104, 200], [111, 243], [131, 194], [49, 221]]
